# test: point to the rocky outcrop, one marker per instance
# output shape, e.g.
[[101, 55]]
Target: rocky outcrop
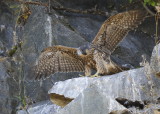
[[92, 101], [4, 90], [155, 61], [133, 91], [58, 28], [44, 107]]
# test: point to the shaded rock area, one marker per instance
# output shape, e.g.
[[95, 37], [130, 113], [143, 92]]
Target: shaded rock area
[[4, 89], [44, 29], [60, 100]]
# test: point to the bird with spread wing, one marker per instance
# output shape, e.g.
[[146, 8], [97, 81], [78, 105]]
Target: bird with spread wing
[[66, 59]]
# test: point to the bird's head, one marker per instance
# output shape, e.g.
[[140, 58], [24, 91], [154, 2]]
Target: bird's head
[[84, 49]]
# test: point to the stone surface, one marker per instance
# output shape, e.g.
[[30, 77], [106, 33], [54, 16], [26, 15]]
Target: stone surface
[[67, 89], [7, 22], [70, 30], [128, 92], [44, 107], [48, 31], [134, 89], [21, 112], [155, 61], [5, 101], [134, 83], [92, 101], [130, 49], [58, 28]]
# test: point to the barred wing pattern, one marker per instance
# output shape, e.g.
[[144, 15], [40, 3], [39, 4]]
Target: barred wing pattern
[[115, 28], [55, 59], [65, 59]]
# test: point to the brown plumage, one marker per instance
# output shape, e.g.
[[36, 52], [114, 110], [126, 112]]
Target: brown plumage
[[65, 59], [62, 59]]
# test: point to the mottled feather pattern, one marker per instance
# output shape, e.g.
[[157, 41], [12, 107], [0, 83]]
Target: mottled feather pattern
[[112, 32], [117, 27], [127, 20], [66, 59], [58, 59]]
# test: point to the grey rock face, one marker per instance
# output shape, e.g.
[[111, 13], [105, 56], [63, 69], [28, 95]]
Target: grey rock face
[[155, 61], [130, 82], [43, 30], [131, 49], [59, 28], [47, 31], [21, 112], [8, 86], [128, 92], [5, 101], [45, 107], [134, 89], [65, 88], [91, 101]]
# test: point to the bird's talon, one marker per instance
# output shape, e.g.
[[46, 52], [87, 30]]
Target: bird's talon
[[83, 75], [93, 76]]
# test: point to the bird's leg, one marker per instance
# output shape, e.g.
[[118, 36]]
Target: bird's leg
[[87, 71], [95, 75]]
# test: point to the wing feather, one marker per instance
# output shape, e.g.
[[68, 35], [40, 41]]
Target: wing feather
[[116, 28], [58, 59]]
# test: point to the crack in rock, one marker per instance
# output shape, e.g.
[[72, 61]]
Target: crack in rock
[[128, 103]]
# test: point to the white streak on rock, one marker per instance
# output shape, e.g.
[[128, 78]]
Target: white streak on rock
[[48, 30]]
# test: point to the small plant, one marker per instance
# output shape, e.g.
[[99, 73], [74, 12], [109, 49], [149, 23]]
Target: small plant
[[22, 100], [12, 51], [148, 2]]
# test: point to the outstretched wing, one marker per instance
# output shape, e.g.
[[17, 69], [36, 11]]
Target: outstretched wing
[[116, 28], [58, 59]]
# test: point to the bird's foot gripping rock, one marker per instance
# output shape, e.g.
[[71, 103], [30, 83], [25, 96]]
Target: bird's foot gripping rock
[[92, 76], [95, 75], [84, 75], [81, 75]]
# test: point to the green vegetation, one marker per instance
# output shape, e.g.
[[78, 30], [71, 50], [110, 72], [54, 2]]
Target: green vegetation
[[148, 2], [23, 102]]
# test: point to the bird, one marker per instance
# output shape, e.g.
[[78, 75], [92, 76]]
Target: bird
[[93, 56]]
